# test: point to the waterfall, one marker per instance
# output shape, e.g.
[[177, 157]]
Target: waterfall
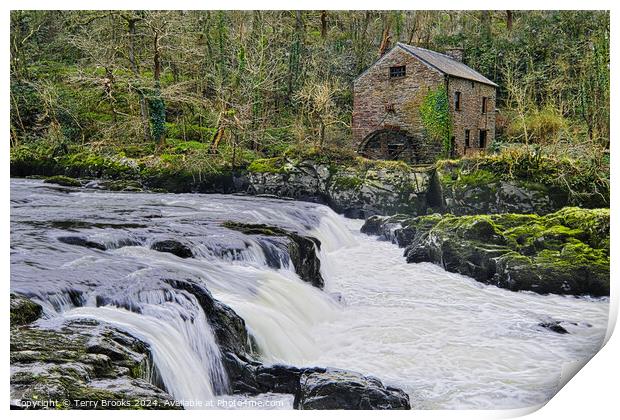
[[185, 354]]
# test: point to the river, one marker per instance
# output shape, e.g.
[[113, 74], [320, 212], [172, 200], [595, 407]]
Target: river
[[447, 340]]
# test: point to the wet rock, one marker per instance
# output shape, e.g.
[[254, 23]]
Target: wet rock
[[314, 388], [247, 376], [79, 362], [554, 326], [173, 247], [373, 225], [116, 185], [469, 189], [386, 228], [23, 310], [566, 252], [65, 181], [516, 183], [228, 327], [303, 250], [338, 389], [81, 241]]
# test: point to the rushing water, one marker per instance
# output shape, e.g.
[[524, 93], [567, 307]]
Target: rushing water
[[447, 340]]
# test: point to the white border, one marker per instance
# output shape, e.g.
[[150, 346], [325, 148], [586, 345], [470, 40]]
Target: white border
[[592, 394]]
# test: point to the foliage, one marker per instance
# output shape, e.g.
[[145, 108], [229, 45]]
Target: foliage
[[268, 83], [435, 115], [157, 111], [586, 180]]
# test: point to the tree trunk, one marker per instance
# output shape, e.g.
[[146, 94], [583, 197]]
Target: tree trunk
[[219, 132], [385, 41], [323, 24], [144, 113], [159, 131], [217, 138], [509, 20]]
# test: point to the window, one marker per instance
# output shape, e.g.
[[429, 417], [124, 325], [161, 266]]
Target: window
[[457, 101], [466, 139], [483, 139], [398, 71], [484, 104]]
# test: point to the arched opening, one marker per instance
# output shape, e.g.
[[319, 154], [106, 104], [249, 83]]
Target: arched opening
[[388, 145]]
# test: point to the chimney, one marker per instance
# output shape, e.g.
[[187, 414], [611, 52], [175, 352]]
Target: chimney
[[455, 53]]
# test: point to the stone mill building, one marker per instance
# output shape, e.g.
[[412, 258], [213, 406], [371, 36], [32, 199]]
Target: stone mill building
[[387, 97]]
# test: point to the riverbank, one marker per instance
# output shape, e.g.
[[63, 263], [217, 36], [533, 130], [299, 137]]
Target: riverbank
[[566, 252], [515, 182]]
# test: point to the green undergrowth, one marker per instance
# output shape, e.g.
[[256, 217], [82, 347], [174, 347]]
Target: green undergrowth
[[585, 183]]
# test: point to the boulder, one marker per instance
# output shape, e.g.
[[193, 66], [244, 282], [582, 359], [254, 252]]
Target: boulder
[[337, 389], [23, 310], [314, 388], [81, 241], [553, 326], [173, 247]]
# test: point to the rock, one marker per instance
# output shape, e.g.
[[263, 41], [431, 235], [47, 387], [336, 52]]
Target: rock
[[373, 225], [65, 181], [228, 327], [358, 188], [553, 326], [23, 310], [337, 389], [386, 228], [80, 362], [515, 184], [116, 185], [81, 241], [173, 247], [566, 252], [251, 377], [314, 388], [302, 250]]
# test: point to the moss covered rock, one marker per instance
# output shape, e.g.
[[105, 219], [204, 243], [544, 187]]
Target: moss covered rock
[[65, 181], [519, 183], [566, 252], [23, 310], [82, 364]]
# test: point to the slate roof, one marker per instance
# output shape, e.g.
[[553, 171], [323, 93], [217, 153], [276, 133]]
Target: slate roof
[[445, 64]]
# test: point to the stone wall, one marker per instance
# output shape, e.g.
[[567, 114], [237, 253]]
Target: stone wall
[[470, 116]]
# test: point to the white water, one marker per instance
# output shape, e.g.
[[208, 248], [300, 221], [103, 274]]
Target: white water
[[446, 339]]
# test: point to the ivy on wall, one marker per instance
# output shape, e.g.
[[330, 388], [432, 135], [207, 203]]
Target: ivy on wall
[[435, 116]]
